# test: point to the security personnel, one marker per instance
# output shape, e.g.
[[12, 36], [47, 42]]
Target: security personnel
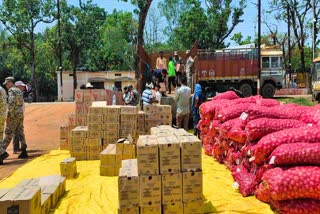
[[3, 110], [14, 120]]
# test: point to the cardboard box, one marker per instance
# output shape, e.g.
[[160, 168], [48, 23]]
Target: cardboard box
[[169, 153], [173, 208], [78, 96], [87, 95], [193, 207], [64, 144], [109, 140], [112, 110], [128, 164], [190, 153], [94, 150], [93, 110], [150, 210], [79, 132], [68, 168], [110, 156], [128, 148], [171, 188], [150, 190], [111, 127], [86, 107], [111, 119], [54, 192], [129, 210], [128, 118], [148, 155], [107, 170], [125, 132], [192, 186], [75, 141], [165, 109], [72, 119], [81, 119], [28, 183], [128, 186], [21, 200], [140, 116], [93, 156], [45, 203], [54, 180], [94, 127], [94, 142], [79, 155], [129, 126], [97, 119], [151, 109], [111, 134], [95, 134], [63, 132], [79, 108], [129, 110], [3, 192]]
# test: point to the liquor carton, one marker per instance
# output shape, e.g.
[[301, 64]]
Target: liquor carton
[[63, 132], [94, 142], [107, 170], [86, 107], [72, 119], [97, 119], [112, 110], [128, 118], [110, 156], [129, 210], [109, 140], [152, 117], [150, 210], [190, 153], [68, 168], [81, 119], [87, 96], [165, 109], [79, 155], [148, 155], [111, 127], [46, 203], [125, 132], [64, 144], [171, 188], [192, 186], [150, 190], [79, 108], [111, 118], [54, 192], [128, 110], [94, 127], [79, 132], [95, 134], [129, 126], [173, 208], [78, 96], [151, 109], [75, 141], [141, 116], [169, 152], [21, 200], [193, 207], [111, 134], [128, 186], [128, 164]]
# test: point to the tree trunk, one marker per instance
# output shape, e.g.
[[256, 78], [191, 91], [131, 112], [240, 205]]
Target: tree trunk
[[142, 21], [33, 66], [74, 73]]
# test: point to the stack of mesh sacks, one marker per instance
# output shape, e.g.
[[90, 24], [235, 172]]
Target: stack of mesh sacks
[[272, 150], [166, 177]]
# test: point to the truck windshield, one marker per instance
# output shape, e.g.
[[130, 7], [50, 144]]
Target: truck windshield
[[317, 69], [271, 62]]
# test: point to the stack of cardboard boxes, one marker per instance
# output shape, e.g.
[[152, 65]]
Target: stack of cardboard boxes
[[33, 196], [141, 130], [168, 168], [78, 141], [156, 115], [128, 122], [111, 125], [111, 157]]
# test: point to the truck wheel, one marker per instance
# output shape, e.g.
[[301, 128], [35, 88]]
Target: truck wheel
[[246, 89], [268, 90]]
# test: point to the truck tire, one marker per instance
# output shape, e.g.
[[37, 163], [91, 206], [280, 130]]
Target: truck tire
[[246, 89], [268, 90]]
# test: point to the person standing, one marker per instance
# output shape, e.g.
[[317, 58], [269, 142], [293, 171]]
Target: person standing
[[3, 111], [189, 72], [161, 62], [171, 74], [14, 120], [177, 66], [182, 99], [147, 96], [157, 94], [197, 99]]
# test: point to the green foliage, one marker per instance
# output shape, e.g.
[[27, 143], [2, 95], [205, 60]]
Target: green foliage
[[237, 37], [303, 101]]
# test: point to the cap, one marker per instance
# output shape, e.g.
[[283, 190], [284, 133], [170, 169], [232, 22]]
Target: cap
[[175, 53], [187, 51], [149, 85], [8, 79], [88, 85], [19, 83]]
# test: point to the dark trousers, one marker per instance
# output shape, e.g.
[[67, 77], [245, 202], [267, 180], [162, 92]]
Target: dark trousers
[[171, 80], [178, 77]]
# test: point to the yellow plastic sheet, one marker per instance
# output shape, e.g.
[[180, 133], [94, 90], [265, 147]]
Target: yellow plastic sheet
[[91, 193]]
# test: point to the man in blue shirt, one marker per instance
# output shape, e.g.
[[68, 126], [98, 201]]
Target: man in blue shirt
[[147, 96]]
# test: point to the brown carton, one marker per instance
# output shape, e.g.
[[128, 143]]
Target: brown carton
[[111, 119], [107, 170], [45, 203], [95, 134], [86, 107], [79, 155], [112, 110], [79, 132], [79, 108], [165, 109], [64, 144], [94, 127], [130, 126], [111, 127], [109, 140], [75, 141], [190, 153], [173, 208], [72, 119], [78, 148], [97, 119], [148, 155], [192, 186], [111, 134], [151, 109], [125, 132], [169, 153], [129, 110], [63, 132], [128, 164], [22, 200], [128, 118], [128, 186], [3, 192], [78, 96], [140, 116], [93, 110], [171, 188], [150, 190], [54, 192], [54, 180], [28, 183], [152, 117], [87, 96], [129, 210], [81, 119], [68, 168], [94, 142], [110, 156], [193, 207], [150, 210]]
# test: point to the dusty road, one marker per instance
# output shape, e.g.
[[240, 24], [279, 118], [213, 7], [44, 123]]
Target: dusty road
[[41, 125]]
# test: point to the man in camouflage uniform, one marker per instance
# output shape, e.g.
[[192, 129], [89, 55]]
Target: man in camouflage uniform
[[14, 120], [3, 110]]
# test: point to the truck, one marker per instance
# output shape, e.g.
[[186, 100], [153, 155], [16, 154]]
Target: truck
[[316, 80], [235, 68]]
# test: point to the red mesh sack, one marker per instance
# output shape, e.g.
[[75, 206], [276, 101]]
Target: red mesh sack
[[225, 127], [208, 109], [213, 128], [297, 206], [238, 134], [267, 102], [283, 184], [244, 179], [312, 116], [229, 95], [296, 154], [233, 111], [259, 128], [267, 144]]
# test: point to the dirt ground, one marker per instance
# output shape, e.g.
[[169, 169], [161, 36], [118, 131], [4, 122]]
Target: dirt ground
[[41, 125]]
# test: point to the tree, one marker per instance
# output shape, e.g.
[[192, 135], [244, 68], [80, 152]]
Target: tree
[[20, 18], [238, 38], [142, 11]]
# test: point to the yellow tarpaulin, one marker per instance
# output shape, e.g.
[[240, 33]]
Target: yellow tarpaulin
[[92, 193]]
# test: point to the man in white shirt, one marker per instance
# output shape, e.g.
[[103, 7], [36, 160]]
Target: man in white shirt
[[157, 94], [161, 62], [182, 99], [189, 64]]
